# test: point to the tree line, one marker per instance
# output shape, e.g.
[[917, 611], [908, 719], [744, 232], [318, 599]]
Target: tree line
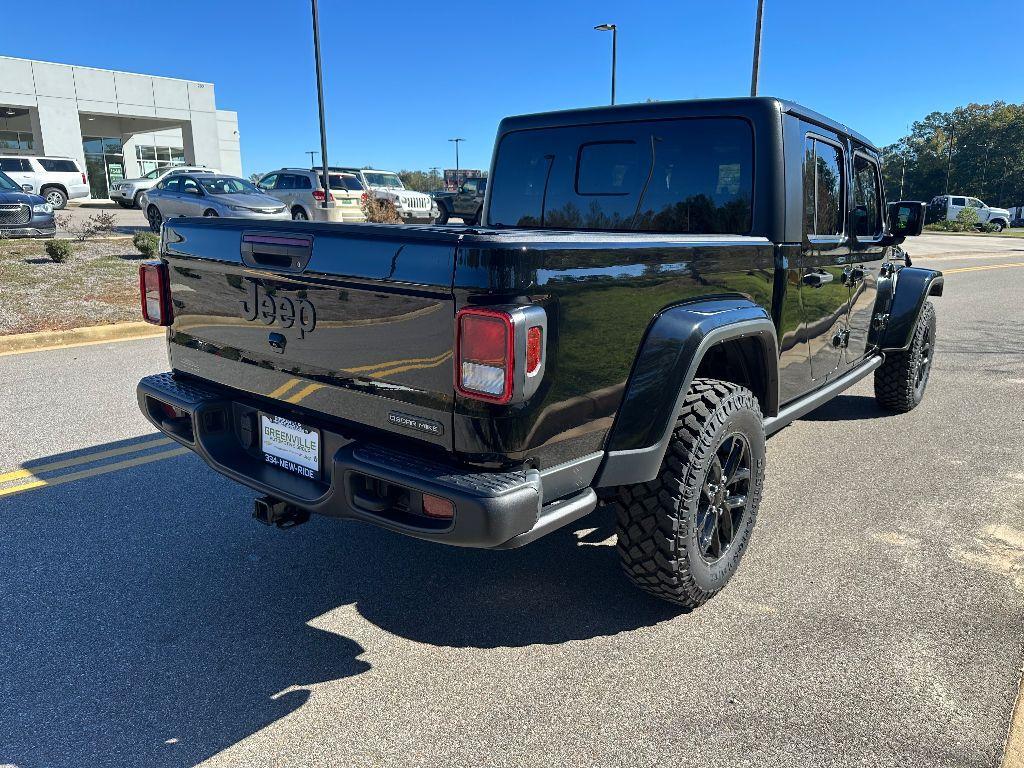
[[976, 150]]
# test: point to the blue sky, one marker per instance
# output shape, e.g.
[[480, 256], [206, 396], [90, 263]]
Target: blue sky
[[401, 77]]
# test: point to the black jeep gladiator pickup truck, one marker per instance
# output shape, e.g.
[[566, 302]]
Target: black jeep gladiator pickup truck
[[652, 290]]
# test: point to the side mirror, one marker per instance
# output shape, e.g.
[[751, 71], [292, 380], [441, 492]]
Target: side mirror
[[194, 191], [906, 218]]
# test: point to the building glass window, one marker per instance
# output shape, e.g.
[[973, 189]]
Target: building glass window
[[104, 163], [16, 140]]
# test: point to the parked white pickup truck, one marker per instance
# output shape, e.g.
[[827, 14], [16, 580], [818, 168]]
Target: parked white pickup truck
[[947, 207]]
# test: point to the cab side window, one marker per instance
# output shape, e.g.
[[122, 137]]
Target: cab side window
[[823, 188], [867, 198]]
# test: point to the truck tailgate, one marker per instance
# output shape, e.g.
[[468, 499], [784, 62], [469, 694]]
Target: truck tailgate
[[351, 321]]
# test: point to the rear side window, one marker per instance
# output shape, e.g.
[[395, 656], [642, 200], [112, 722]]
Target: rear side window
[[867, 198], [171, 184], [14, 164], [303, 182], [688, 176], [58, 166], [959, 201], [823, 188]]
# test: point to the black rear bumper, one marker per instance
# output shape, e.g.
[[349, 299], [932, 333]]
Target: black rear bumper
[[499, 510]]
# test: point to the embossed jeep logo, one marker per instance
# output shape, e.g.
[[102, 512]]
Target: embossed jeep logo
[[271, 308]]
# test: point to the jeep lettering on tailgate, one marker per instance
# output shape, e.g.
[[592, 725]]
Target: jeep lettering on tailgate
[[270, 308]]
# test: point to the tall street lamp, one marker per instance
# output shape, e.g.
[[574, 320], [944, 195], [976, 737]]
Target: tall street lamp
[[615, 39], [456, 142], [328, 201]]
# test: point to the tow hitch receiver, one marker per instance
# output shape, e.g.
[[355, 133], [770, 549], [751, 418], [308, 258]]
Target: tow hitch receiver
[[271, 511]]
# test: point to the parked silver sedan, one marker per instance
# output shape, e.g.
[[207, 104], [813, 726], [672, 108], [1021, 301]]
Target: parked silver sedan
[[208, 195]]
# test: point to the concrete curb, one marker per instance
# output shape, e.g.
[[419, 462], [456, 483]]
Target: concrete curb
[[76, 337]]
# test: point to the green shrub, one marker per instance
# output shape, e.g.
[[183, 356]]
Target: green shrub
[[967, 219], [987, 227], [147, 243], [59, 250]]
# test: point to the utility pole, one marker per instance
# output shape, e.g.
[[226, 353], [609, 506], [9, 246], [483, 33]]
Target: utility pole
[[328, 201], [757, 48]]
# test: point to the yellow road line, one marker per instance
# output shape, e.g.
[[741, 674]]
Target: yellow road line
[[84, 459], [160, 334], [72, 476], [393, 363], [284, 388], [979, 269], [1013, 753], [303, 393], [401, 369]]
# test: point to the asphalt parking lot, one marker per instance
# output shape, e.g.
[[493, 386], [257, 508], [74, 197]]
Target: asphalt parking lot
[[877, 619]]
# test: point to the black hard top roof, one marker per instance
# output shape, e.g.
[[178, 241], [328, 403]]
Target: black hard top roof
[[744, 105]]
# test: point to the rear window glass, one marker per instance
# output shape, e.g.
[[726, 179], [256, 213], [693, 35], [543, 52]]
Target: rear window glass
[[350, 183], [58, 166], [688, 176]]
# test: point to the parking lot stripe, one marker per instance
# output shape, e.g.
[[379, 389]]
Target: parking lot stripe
[[434, 362], [303, 393], [284, 388], [979, 269], [81, 475], [87, 458]]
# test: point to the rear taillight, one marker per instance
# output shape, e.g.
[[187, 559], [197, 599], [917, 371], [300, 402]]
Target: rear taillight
[[318, 195], [485, 354], [156, 294], [499, 352], [83, 179], [534, 346]]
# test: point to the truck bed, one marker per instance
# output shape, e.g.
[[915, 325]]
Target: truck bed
[[355, 322]]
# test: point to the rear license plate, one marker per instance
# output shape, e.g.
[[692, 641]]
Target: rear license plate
[[290, 446]]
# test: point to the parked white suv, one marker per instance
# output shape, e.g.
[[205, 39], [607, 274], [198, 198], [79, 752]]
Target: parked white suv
[[126, 193], [302, 190], [946, 207], [412, 207], [58, 179]]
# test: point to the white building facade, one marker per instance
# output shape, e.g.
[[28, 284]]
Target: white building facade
[[116, 124]]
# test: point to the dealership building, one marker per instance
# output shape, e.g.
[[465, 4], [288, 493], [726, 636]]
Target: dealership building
[[116, 124]]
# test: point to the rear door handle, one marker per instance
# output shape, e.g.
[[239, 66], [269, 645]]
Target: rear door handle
[[818, 279]]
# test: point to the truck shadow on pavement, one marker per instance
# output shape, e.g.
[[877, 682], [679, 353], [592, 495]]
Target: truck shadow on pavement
[[848, 408], [148, 621]]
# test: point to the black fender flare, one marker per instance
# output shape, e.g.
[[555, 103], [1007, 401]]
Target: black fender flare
[[911, 288], [673, 347]]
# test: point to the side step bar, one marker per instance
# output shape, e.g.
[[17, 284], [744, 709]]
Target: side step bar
[[818, 397]]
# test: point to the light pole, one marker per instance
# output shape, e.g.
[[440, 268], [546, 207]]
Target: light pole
[[328, 201], [757, 48], [615, 44], [311, 152], [456, 142]]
